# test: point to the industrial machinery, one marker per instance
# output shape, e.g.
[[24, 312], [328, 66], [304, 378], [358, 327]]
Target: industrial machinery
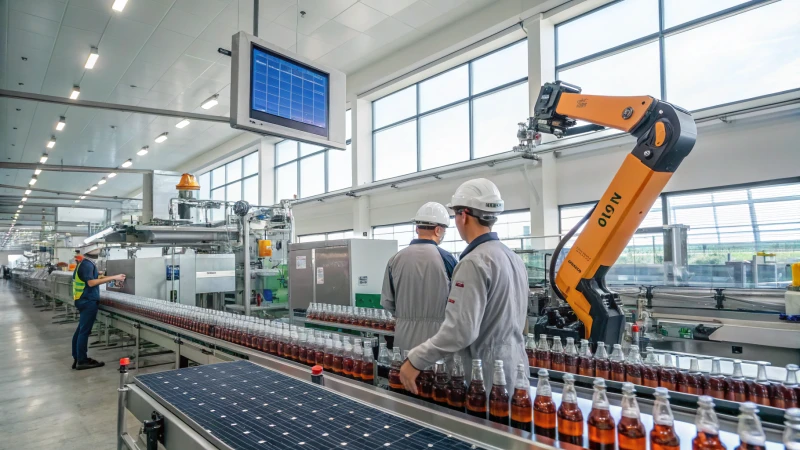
[[665, 135], [336, 272]]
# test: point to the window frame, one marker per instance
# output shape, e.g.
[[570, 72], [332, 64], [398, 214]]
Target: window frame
[[326, 234], [469, 99], [298, 159], [241, 180], [660, 37]]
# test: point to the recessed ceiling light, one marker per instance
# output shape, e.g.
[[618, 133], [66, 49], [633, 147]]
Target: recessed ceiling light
[[76, 91], [112, 175], [21, 206], [211, 102], [144, 150], [43, 159], [27, 191], [119, 5], [83, 197], [92, 60], [52, 142], [87, 192], [127, 163], [33, 181], [161, 138], [93, 188], [77, 201], [62, 122], [24, 199], [37, 171], [102, 181], [182, 124]]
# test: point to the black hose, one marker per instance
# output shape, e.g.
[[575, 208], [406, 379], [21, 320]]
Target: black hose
[[560, 247]]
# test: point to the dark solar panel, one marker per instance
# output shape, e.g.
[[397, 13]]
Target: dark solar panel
[[248, 406]]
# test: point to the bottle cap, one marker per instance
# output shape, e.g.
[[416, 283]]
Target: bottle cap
[[600, 383], [705, 400], [316, 370], [635, 328], [661, 392], [543, 373], [628, 388], [568, 377]]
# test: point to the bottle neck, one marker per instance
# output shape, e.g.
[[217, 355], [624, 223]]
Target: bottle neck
[[762, 374], [599, 399], [522, 379], [499, 377], [543, 388], [477, 372], [630, 407], [737, 371], [568, 395], [570, 349], [662, 413], [616, 355], [707, 420], [716, 370]]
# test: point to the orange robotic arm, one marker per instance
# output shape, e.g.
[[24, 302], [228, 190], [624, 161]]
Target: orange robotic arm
[[665, 135]]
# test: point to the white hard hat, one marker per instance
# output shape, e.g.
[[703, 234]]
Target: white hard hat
[[479, 194], [432, 213]]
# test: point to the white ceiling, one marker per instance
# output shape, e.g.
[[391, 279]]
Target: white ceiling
[[163, 54]]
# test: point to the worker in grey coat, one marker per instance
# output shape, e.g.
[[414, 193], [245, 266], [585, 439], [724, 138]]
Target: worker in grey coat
[[487, 305], [417, 279]]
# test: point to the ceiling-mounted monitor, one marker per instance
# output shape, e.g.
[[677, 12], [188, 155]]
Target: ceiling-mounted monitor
[[286, 95]]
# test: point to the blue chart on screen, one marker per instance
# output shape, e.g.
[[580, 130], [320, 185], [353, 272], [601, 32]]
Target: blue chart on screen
[[247, 406], [285, 89]]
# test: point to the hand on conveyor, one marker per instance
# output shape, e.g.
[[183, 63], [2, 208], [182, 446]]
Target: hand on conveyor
[[408, 376]]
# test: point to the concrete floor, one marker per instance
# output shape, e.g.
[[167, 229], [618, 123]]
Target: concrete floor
[[43, 403]]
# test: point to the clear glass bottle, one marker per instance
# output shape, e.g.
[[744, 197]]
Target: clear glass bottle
[[544, 408], [602, 366], [663, 436], [395, 385], [347, 358], [440, 380], [617, 360], [457, 387], [630, 431], [557, 355], [499, 410], [327, 360], [530, 350], [570, 417], [751, 435], [338, 356], [368, 365], [602, 428], [521, 405], [571, 356], [736, 386], [707, 426], [384, 360], [786, 394], [358, 358], [543, 352], [791, 434], [302, 347], [476, 394]]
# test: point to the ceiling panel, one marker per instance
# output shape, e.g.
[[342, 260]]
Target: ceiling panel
[[28, 22], [334, 33], [388, 7], [308, 23], [269, 10], [184, 22], [86, 19], [326, 8], [418, 14], [388, 30], [360, 17], [48, 9]]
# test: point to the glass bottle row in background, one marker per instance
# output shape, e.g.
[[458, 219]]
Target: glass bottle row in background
[[352, 315], [651, 373]]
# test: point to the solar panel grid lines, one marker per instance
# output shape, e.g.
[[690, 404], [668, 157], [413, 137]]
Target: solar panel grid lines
[[247, 406], [288, 90]]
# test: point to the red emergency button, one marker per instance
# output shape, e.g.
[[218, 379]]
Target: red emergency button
[[124, 361], [316, 370]]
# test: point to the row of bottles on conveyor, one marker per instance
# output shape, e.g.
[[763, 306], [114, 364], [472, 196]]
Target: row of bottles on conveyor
[[651, 372], [379, 319]]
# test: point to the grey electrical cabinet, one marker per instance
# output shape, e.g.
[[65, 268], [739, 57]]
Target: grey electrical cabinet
[[333, 272]]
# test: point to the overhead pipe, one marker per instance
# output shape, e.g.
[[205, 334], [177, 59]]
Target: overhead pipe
[[63, 168], [74, 194]]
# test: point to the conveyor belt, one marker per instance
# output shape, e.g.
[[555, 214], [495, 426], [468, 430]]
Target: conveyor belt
[[246, 406]]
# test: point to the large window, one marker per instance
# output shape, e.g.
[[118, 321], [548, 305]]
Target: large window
[[306, 170], [728, 229], [234, 181], [693, 54], [512, 228], [468, 112], [332, 236]]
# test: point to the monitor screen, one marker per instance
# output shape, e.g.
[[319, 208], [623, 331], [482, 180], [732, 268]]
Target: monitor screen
[[287, 93]]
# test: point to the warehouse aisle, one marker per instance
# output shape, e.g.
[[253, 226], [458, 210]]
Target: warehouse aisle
[[45, 403]]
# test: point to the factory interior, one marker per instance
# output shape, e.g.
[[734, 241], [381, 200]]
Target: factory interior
[[213, 218]]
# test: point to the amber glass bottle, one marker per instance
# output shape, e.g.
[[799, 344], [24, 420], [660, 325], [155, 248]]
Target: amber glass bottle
[[668, 375], [440, 380], [663, 436], [570, 417], [530, 350], [395, 385], [650, 369], [617, 361], [602, 428], [499, 409], [456, 387], [544, 408], [543, 353], [791, 434], [557, 355], [521, 405], [602, 366], [694, 378], [633, 366], [338, 356], [586, 360], [327, 360], [736, 386], [716, 381], [630, 431], [368, 364], [571, 356], [476, 394], [707, 426], [759, 390], [358, 358], [786, 393], [751, 434]]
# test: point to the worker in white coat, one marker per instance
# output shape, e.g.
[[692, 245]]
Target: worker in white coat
[[417, 279], [487, 305]]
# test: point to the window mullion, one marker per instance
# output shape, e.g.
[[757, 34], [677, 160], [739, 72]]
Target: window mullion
[[662, 57]]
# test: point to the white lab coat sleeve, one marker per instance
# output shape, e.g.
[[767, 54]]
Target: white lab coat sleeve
[[462, 322], [387, 292]]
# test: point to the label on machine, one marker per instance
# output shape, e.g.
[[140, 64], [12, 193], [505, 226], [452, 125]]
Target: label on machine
[[176, 270], [362, 281], [300, 262], [320, 275]]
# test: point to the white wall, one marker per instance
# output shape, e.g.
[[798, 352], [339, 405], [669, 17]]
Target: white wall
[[5, 254]]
